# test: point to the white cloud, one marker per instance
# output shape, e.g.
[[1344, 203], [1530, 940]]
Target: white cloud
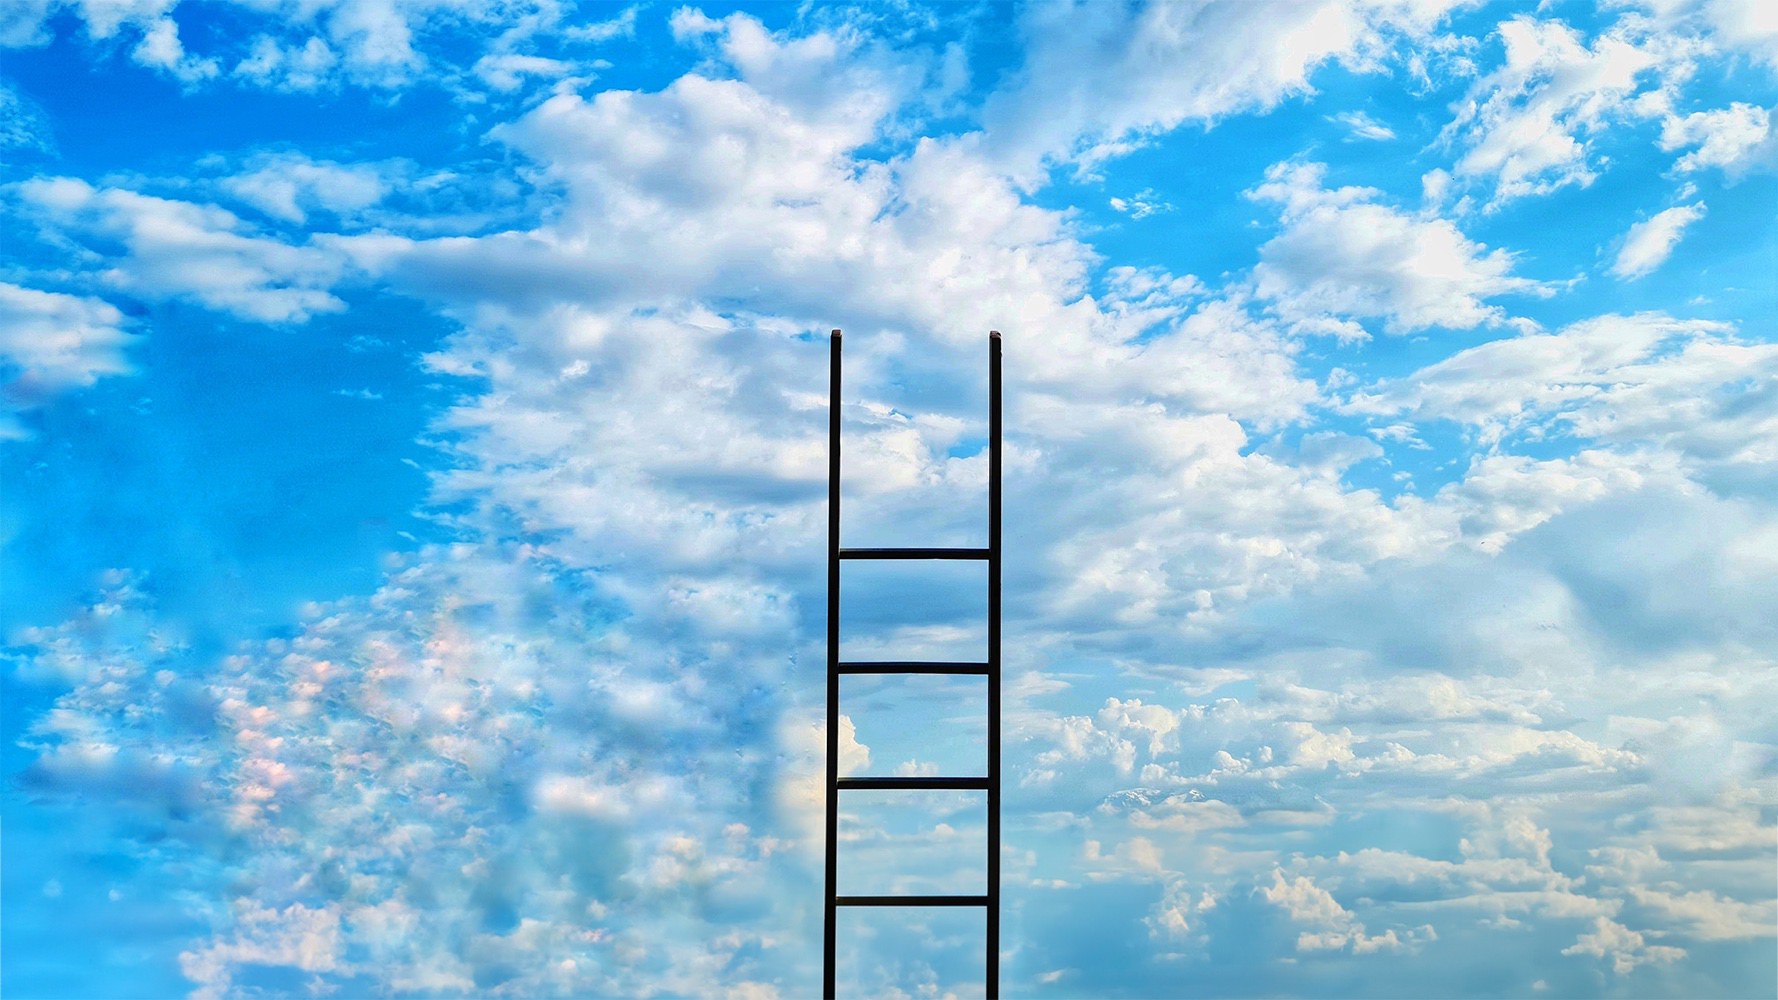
[[1738, 25], [1626, 948], [390, 196], [1734, 139], [1342, 254], [507, 71], [182, 249], [51, 342], [295, 937], [1331, 926], [1141, 205], [1650, 242], [288, 186], [104, 18], [573, 748], [22, 23], [1527, 127], [1315, 749], [1498, 745], [1749, 26], [1175, 915], [1626, 380], [56, 341], [22, 122], [376, 39], [699, 496], [161, 49], [1709, 916], [1360, 125], [772, 200], [508, 839], [1098, 78], [298, 67], [621, 26], [307, 45]]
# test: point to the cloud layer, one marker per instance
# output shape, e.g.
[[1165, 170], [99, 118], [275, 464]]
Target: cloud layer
[[1445, 652]]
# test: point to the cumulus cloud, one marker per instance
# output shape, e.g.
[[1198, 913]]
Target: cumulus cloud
[[1739, 27], [761, 199], [576, 751], [1344, 255], [1734, 139], [1527, 128], [183, 249], [289, 186], [161, 49], [296, 937], [297, 67], [1626, 948], [1484, 747], [1246, 525], [1174, 917], [708, 539], [1331, 926], [1649, 243], [772, 200], [51, 342]]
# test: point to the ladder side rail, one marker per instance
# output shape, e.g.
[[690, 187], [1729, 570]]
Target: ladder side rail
[[994, 556], [830, 916]]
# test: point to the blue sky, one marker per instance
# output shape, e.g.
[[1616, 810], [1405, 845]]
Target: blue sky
[[412, 467]]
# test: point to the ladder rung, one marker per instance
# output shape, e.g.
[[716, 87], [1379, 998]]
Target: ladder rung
[[976, 784], [967, 667], [913, 553], [910, 901]]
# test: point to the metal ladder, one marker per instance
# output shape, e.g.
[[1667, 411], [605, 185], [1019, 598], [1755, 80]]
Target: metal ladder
[[837, 668]]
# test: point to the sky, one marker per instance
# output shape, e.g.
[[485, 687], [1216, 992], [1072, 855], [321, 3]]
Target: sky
[[413, 469]]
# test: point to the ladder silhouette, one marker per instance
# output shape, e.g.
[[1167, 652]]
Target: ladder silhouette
[[990, 668]]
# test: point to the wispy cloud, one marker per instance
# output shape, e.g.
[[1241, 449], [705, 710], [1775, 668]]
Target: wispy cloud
[[1360, 125], [1141, 205], [1649, 243]]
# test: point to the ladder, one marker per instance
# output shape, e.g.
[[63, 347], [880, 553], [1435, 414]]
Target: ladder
[[836, 668]]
